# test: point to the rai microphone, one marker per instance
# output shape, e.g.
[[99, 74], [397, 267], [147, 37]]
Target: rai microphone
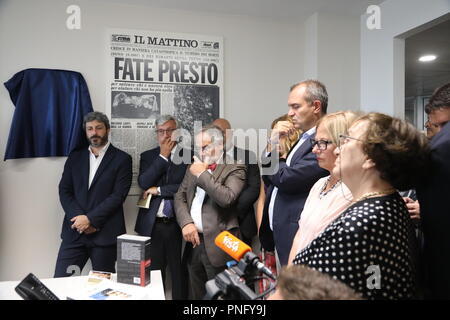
[[238, 250]]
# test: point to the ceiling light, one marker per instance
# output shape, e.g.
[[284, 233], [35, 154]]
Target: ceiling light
[[427, 58]]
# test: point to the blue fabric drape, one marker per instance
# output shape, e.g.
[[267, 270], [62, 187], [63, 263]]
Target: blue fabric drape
[[48, 119]]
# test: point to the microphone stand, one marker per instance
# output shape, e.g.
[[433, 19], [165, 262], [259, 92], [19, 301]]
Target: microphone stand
[[231, 284]]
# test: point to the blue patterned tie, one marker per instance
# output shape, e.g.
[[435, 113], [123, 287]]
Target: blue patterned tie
[[168, 208]]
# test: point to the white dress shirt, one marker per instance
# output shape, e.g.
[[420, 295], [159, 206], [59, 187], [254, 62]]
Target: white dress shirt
[[94, 162], [303, 138], [196, 208]]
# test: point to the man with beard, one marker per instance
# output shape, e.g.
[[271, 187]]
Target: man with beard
[[93, 187], [205, 205]]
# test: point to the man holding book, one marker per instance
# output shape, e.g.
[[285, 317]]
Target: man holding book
[[160, 175]]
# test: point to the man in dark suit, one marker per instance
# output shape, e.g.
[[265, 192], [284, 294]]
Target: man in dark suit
[[433, 198], [204, 206], [160, 175], [93, 187], [250, 193], [296, 172]]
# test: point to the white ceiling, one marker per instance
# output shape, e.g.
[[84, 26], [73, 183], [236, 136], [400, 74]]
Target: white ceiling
[[274, 9]]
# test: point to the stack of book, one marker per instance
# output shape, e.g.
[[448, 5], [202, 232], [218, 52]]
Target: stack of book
[[133, 260]]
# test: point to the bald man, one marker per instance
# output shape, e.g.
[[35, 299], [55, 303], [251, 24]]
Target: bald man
[[250, 193]]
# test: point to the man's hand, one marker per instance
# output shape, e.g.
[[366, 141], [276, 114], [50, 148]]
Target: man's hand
[[198, 167], [166, 147], [152, 190], [81, 223], [190, 234], [90, 230], [413, 207]]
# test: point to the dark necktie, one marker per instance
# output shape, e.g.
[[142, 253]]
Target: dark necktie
[[212, 167], [168, 209]]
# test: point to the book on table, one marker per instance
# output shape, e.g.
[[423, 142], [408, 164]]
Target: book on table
[[133, 259]]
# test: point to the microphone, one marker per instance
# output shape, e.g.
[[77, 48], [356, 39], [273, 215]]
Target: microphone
[[238, 250]]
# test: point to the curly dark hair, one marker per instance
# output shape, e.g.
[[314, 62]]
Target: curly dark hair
[[439, 99], [96, 115], [400, 152], [299, 282]]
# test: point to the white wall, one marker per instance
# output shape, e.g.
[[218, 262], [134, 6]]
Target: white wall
[[382, 56], [311, 62], [338, 60], [263, 58], [332, 56]]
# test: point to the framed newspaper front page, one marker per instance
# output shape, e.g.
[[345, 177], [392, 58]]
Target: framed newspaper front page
[[150, 73]]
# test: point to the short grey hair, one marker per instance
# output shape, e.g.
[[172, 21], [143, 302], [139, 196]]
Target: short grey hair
[[164, 118], [95, 115], [215, 132], [315, 90]]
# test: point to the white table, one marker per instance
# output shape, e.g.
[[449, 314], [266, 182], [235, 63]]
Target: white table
[[65, 286]]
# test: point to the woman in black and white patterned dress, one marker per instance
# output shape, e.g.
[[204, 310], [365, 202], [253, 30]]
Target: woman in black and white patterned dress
[[369, 246]]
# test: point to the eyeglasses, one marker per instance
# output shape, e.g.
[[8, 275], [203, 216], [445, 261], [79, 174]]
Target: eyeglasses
[[321, 144], [428, 124], [207, 147], [162, 131], [343, 139]]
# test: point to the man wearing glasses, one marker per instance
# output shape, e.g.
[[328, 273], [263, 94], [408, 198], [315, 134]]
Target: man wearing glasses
[[160, 175], [433, 197], [438, 116], [206, 205]]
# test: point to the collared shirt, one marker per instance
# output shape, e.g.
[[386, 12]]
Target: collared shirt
[[197, 202], [196, 208], [160, 213], [94, 162], [306, 135]]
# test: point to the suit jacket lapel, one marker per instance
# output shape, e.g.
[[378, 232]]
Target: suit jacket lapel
[[221, 165], [292, 148], [305, 148], [219, 169], [106, 159], [85, 173]]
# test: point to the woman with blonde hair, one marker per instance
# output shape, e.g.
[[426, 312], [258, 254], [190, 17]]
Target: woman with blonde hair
[[370, 245], [284, 146], [329, 197]]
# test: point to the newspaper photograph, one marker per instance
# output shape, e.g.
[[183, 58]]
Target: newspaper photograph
[[151, 73]]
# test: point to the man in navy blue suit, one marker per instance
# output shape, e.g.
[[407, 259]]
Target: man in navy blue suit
[[161, 172], [433, 195], [93, 187], [296, 172]]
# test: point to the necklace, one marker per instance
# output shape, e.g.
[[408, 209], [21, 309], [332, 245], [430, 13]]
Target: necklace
[[376, 193], [322, 193]]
